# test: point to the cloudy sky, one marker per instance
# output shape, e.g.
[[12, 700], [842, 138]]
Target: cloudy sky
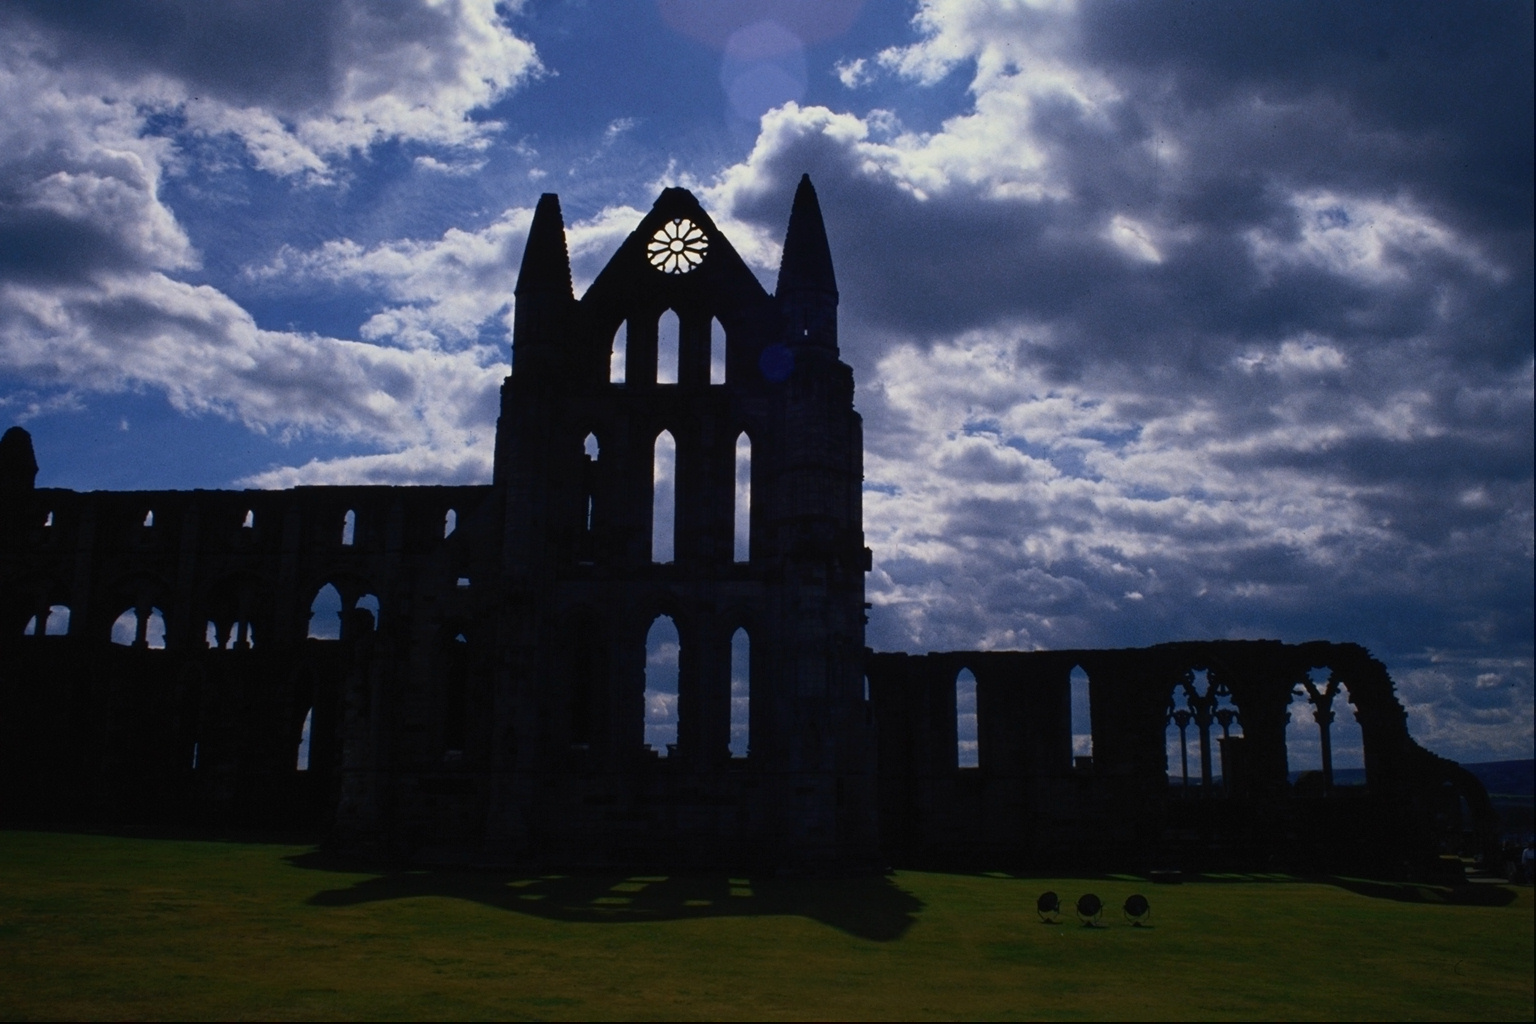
[[1169, 320]]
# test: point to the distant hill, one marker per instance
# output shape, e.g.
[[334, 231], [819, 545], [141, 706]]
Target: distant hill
[[1511, 789], [1507, 780]]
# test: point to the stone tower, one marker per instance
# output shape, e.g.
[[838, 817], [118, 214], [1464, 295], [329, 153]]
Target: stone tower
[[588, 564]]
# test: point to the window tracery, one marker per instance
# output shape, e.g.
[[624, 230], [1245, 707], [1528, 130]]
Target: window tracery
[[677, 247]]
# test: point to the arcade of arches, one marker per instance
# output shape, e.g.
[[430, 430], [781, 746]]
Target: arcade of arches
[[455, 674]]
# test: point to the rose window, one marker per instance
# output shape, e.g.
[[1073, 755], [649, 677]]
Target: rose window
[[677, 247]]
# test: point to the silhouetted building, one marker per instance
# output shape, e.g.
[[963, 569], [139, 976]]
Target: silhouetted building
[[479, 692]]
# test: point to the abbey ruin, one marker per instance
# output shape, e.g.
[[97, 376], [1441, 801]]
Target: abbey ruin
[[476, 692]]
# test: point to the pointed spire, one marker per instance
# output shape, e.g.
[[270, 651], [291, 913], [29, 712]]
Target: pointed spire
[[546, 263], [807, 290], [807, 261], [543, 293]]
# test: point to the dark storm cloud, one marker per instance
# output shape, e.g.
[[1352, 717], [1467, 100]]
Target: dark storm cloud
[[1429, 103], [1448, 461], [278, 52], [1456, 78], [1204, 320], [37, 245], [1424, 108], [284, 55]]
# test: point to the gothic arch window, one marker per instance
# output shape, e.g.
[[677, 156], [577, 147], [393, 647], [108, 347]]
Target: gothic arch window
[[1082, 726], [237, 635], [716, 352], [662, 646], [741, 693], [55, 622], [348, 528], [149, 517], [664, 498], [1199, 704], [125, 628], [742, 504], [1229, 720], [249, 523], [967, 747], [1323, 735], [325, 614], [302, 762], [588, 495], [677, 247], [1346, 740], [669, 344], [450, 522], [130, 630], [1182, 748], [370, 604], [618, 354]]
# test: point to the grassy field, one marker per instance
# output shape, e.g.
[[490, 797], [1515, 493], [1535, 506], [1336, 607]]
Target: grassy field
[[100, 927]]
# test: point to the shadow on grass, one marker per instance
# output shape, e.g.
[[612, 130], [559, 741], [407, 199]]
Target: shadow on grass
[[1411, 892], [1465, 895], [865, 907]]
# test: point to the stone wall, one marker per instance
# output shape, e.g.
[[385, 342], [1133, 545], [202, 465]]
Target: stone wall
[[1029, 800]]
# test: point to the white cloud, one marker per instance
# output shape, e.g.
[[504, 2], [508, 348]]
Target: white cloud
[[414, 71], [1307, 355], [81, 165], [1368, 239], [207, 355], [95, 306], [1007, 511], [591, 242], [1482, 705], [617, 127], [468, 462], [1000, 38], [457, 168], [444, 289], [1136, 366], [991, 150], [853, 73], [1133, 238], [273, 146], [408, 71]]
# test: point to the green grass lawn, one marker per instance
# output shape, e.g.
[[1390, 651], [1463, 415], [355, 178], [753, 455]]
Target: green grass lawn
[[100, 927]]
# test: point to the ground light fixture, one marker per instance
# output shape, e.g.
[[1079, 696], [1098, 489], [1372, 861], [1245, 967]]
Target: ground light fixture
[[1089, 909], [1137, 910], [1048, 906]]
